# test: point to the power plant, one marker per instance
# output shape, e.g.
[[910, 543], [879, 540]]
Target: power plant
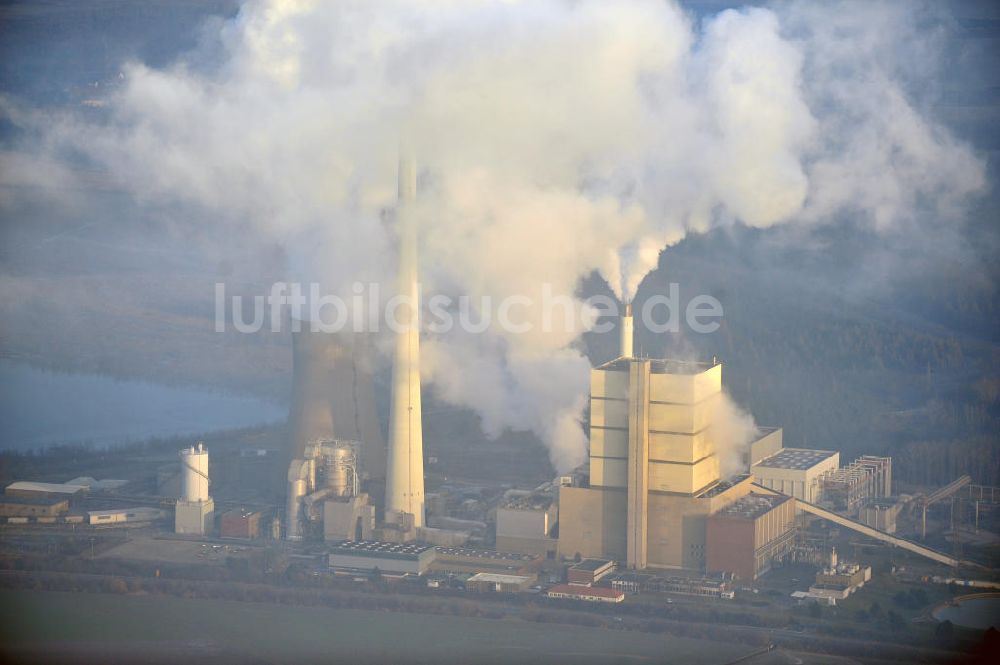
[[650, 497], [664, 504]]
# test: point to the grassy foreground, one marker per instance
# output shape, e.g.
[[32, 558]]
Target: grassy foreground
[[123, 628]]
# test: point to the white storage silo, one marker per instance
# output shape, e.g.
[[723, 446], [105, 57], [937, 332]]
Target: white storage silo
[[194, 470]]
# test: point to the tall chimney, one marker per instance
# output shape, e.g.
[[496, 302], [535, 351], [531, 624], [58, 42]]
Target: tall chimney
[[404, 483], [627, 332]]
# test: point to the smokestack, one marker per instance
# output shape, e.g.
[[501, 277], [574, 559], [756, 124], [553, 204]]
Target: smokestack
[[404, 482], [627, 332]]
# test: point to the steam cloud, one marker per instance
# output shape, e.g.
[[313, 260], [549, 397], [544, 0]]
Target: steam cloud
[[555, 138]]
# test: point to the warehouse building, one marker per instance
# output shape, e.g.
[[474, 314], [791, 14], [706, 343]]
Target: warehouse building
[[748, 536], [33, 490], [37, 506], [588, 594], [367, 555], [493, 582], [124, 515], [797, 472]]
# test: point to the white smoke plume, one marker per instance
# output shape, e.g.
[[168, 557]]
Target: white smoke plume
[[555, 138]]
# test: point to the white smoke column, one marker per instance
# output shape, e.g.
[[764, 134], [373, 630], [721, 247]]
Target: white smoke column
[[733, 430], [557, 138]]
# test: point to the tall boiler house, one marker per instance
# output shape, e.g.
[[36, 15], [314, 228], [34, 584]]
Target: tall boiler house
[[404, 490]]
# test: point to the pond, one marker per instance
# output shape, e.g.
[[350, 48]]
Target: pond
[[41, 408], [975, 612]]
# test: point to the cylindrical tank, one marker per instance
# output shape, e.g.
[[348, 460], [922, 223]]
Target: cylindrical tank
[[276, 527], [194, 473], [296, 492], [310, 474], [338, 469]]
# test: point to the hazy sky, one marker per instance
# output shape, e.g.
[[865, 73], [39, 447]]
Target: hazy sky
[[555, 139]]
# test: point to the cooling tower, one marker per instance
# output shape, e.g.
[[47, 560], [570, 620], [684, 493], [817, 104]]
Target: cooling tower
[[314, 356], [404, 487], [333, 395]]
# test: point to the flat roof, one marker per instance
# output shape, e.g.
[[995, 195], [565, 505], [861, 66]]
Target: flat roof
[[500, 579], [528, 502], [660, 365], [752, 506], [721, 486], [53, 488], [94, 484], [485, 554], [585, 591], [591, 565], [241, 512], [33, 501], [796, 458], [135, 510], [377, 548]]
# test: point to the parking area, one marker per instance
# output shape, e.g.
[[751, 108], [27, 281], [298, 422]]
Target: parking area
[[174, 551]]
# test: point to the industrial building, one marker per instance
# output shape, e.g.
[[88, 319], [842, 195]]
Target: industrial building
[[880, 514], [328, 469], [525, 524], [653, 470], [194, 511], [348, 518], [749, 535], [124, 515], [34, 490], [33, 506], [838, 579], [797, 472], [240, 523], [588, 594], [689, 586], [867, 477], [769, 443], [413, 558], [589, 571], [493, 582], [469, 560]]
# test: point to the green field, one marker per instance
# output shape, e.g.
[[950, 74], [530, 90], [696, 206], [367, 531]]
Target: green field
[[122, 628]]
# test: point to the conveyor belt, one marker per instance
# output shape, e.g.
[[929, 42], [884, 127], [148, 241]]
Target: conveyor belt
[[866, 530]]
